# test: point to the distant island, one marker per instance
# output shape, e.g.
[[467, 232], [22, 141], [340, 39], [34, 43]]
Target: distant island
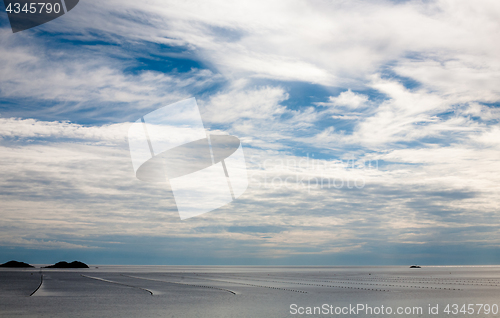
[[15, 264], [415, 266], [63, 264]]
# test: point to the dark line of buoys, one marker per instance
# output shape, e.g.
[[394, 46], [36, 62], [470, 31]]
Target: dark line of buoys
[[41, 282], [288, 282], [342, 280], [113, 282], [157, 280], [270, 287]]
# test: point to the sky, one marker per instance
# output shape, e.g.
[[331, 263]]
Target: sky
[[370, 131]]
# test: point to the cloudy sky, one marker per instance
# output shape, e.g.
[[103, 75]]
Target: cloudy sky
[[396, 102]]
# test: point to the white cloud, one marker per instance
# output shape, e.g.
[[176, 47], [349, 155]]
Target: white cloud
[[327, 43], [40, 244], [348, 99], [32, 128], [86, 188], [439, 160], [483, 112], [462, 77], [490, 137], [85, 80], [248, 104], [408, 115]]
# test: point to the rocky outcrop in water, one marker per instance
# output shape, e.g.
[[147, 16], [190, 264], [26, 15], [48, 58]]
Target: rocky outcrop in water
[[63, 264], [15, 264]]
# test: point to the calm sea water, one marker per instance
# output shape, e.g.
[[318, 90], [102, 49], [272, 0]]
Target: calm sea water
[[239, 291]]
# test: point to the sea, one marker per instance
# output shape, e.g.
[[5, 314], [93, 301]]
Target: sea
[[251, 291]]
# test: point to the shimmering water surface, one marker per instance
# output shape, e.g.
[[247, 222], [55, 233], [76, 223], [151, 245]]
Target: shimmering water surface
[[238, 291]]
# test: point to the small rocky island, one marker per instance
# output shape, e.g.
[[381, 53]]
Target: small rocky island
[[75, 264], [15, 264]]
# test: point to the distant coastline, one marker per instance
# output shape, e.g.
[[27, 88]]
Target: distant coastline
[[62, 264]]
